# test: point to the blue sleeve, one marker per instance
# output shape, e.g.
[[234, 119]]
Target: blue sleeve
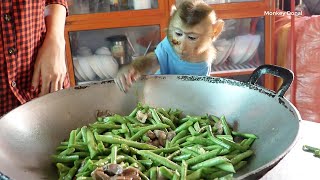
[[162, 57]]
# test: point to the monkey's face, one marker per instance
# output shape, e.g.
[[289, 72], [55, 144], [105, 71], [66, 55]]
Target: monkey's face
[[189, 42]]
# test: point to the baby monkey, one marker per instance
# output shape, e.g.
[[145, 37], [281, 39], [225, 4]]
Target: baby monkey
[[186, 50]]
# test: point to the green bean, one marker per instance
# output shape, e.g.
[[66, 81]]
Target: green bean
[[219, 142], [84, 178], [143, 176], [234, 145], [215, 118], [241, 156], [153, 173], [176, 176], [245, 135], [92, 145], [226, 166], [166, 150], [85, 167], [310, 148], [184, 126], [62, 168], [162, 160], [115, 118], [239, 165], [195, 175], [82, 154], [166, 172], [133, 160], [184, 169], [114, 140], [79, 135], [155, 115], [113, 155], [225, 125], [134, 112], [146, 162], [210, 162], [105, 126], [72, 172], [206, 171], [83, 174], [167, 121], [72, 138], [200, 140], [189, 151], [68, 151], [203, 157], [228, 137], [212, 147], [179, 135], [182, 157], [192, 131], [133, 120], [197, 127], [84, 134], [144, 130], [163, 112], [64, 159], [172, 155]]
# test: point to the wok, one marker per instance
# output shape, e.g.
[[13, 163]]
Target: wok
[[30, 133]]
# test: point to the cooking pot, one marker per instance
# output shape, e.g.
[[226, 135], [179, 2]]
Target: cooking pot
[[30, 133]]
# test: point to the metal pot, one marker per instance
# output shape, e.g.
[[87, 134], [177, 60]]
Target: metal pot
[[30, 133]]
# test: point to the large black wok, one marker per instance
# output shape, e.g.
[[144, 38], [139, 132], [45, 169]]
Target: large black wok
[[30, 133]]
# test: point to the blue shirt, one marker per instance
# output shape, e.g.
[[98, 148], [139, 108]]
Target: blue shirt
[[170, 62]]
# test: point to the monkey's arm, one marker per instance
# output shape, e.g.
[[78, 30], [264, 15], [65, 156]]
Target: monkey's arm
[[146, 64]]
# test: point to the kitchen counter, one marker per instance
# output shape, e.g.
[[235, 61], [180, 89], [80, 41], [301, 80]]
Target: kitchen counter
[[298, 164]]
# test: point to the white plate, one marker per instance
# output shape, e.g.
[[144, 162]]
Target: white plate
[[108, 65], [255, 40], [240, 48], [79, 70], [88, 71], [92, 60]]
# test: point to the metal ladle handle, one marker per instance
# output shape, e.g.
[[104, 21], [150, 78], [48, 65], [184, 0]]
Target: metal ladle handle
[[285, 74]]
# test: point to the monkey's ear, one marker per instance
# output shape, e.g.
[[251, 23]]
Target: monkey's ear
[[217, 28], [173, 10]]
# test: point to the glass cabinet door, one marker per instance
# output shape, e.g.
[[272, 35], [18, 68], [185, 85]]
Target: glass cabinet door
[[240, 46], [97, 54], [101, 6]]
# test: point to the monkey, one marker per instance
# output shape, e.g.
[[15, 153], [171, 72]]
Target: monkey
[[187, 48]]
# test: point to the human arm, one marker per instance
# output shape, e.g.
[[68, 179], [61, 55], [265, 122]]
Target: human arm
[[140, 66], [50, 65]]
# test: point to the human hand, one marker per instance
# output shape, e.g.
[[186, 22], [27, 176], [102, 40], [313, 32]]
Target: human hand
[[50, 66], [126, 76]]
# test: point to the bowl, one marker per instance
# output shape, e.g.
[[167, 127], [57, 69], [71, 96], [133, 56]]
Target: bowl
[[240, 48], [84, 51], [88, 71], [252, 49], [103, 51], [108, 65]]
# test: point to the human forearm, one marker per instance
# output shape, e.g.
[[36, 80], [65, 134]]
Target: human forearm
[[55, 16]]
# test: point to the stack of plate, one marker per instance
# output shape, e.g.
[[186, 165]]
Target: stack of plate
[[244, 48], [100, 66], [224, 48]]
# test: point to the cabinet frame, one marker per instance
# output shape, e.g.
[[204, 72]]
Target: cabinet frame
[[160, 16]]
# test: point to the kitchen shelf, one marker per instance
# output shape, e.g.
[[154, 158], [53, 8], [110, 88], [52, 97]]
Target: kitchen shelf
[[227, 69]]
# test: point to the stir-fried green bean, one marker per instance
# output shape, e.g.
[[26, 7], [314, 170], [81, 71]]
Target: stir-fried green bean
[[165, 144]]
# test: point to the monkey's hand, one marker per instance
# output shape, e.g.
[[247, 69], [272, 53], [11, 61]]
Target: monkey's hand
[[126, 76]]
